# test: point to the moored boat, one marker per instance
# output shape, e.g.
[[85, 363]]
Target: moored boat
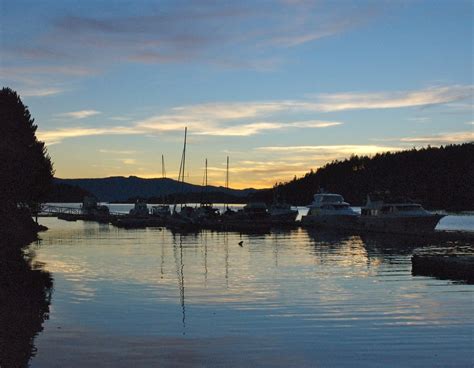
[[402, 217], [140, 209], [162, 211], [330, 210], [282, 214]]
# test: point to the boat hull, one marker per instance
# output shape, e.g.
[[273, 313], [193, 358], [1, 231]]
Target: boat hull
[[400, 225], [348, 222]]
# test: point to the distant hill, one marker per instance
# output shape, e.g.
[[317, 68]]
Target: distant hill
[[438, 178], [66, 193], [119, 188]]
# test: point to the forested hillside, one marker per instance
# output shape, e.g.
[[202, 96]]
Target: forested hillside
[[439, 178]]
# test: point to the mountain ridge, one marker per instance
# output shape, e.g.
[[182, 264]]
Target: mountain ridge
[[121, 188]]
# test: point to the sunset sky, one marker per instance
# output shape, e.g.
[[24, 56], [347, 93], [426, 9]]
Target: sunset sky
[[281, 87]]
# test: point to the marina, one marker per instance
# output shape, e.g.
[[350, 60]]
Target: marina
[[337, 216]]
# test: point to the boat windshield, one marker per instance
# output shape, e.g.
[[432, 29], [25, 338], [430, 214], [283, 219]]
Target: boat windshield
[[329, 198]]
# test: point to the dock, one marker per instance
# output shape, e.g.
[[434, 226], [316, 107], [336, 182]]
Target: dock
[[460, 268]]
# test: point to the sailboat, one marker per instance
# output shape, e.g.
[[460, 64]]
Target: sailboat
[[182, 220], [205, 212], [281, 212], [162, 210]]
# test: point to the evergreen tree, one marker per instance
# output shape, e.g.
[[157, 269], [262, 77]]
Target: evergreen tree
[[26, 170]]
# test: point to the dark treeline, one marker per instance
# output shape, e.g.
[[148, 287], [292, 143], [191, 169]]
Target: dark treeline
[[438, 178]]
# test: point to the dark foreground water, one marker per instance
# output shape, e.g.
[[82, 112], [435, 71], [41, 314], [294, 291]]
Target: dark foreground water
[[147, 298]]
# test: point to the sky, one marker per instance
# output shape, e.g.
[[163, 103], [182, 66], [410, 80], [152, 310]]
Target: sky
[[281, 87]]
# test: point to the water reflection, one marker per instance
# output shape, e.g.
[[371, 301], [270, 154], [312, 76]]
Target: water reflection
[[206, 294], [180, 275], [25, 295]]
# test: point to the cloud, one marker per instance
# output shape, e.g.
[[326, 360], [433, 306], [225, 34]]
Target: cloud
[[117, 152], [250, 118], [82, 114], [390, 100], [279, 163], [255, 128], [233, 118], [51, 137], [442, 138], [41, 80], [420, 119], [334, 150], [39, 92], [243, 34], [128, 161]]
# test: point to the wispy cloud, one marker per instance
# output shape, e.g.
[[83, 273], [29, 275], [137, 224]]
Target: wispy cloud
[[39, 92], [230, 34], [420, 119], [390, 100], [250, 118], [82, 114], [233, 119], [51, 137], [339, 150], [128, 161], [117, 152], [443, 138]]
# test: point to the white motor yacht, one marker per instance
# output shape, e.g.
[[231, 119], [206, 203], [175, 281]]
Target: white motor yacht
[[397, 217], [330, 210]]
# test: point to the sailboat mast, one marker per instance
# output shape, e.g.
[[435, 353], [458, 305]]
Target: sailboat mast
[[184, 162], [163, 170], [184, 151], [205, 175], [227, 181], [227, 174]]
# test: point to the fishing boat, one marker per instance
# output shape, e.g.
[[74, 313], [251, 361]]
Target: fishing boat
[[397, 216], [330, 210]]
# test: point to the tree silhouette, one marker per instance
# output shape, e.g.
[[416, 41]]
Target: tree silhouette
[[26, 170], [438, 177]]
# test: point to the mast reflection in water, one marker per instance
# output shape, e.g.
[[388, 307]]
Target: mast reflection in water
[[286, 299]]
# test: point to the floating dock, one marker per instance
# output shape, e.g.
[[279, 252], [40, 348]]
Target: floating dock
[[459, 268]]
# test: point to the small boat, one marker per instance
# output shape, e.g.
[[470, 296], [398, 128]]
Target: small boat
[[330, 210], [139, 210], [92, 211], [255, 211], [162, 211], [281, 213], [401, 217]]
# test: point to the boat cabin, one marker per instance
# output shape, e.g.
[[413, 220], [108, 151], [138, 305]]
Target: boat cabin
[[327, 198], [393, 209], [140, 209]]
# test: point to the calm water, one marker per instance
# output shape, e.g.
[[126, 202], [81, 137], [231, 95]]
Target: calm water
[[288, 299]]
